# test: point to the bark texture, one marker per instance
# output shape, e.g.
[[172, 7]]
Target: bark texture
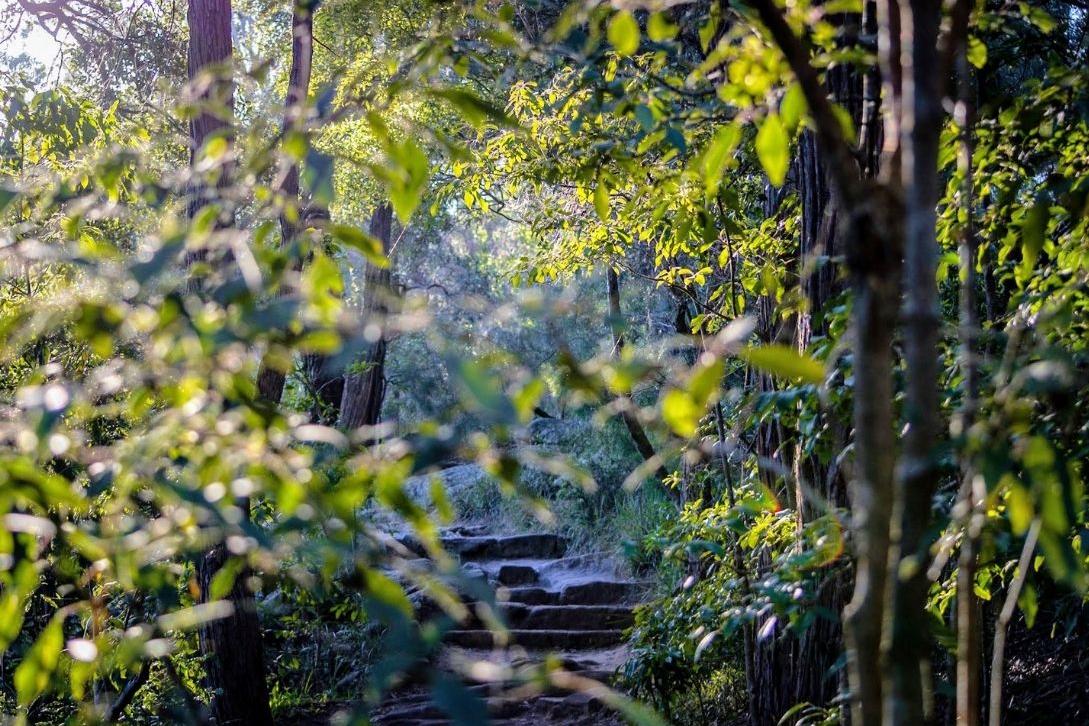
[[364, 389], [920, 128], [325, 377], [874, 260], [235, 665], [234, 659], [210, 50], [820, 485]]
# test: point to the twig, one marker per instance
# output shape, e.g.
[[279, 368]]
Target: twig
[[129, 692], [1004, 617]]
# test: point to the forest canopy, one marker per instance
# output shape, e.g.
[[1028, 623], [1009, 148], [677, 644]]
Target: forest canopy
[[544, 362]]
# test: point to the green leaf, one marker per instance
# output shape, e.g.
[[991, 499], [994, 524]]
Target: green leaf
[[387, 592], [295, 145], [1032, 240], [323, 277], [1019, 507], [792, 108], [680, 413], [773, 149], [36, 671], [659, 28], [443, 506], [406, 176], [476, 110], [1038, 17], [480, 392], [371, 247], [527, 398], [718, 156], [459, 703], [7, 196], [704, 381], [682, 408], [785, 362], [977, 52], [21, 583], [709, 28], [601, 200], [623, 32]]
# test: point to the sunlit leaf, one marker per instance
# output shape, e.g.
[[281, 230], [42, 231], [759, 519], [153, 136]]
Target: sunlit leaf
[[370, 246], [623, 32], [977, 52], [773, 149], [785, 362], [34, 674]]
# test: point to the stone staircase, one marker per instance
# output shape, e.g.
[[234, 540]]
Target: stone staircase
[[570, 608]]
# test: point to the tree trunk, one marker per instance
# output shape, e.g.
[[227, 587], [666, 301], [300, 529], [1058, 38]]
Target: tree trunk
[[234, 660], [631, 422], [777, 667], [209, 47], [821, 644], [874, 259], [364, 389], [920, 129], [235, 663], [325, 378], [270, 381]]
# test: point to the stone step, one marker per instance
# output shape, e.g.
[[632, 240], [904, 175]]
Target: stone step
[[603, 592], [560, 617], [568, 617], [544, 639], [517, 575], [511, 547], [558, 709]]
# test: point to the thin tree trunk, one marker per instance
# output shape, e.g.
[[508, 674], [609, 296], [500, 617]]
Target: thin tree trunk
[[234, 659], [1001, 628], [876, 285], [364, 390], [920, 128], [631, 422], [270, 380]]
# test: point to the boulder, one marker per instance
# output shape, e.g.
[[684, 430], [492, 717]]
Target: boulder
[[456, 480]]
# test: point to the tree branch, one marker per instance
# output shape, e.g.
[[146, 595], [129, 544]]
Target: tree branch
[[838, 154]]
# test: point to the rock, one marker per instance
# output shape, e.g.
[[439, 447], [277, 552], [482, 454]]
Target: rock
[[538, 639], [560, 432], [506, 548], [574, 607], [456, 480], [598, 592], [569, 617], [517, 575]]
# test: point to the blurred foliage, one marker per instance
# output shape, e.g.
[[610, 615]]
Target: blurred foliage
[[523, 148]]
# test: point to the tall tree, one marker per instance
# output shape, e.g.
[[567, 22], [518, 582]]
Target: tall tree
[[270, 380], [234, 659], [820, 484], [365, 388]]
